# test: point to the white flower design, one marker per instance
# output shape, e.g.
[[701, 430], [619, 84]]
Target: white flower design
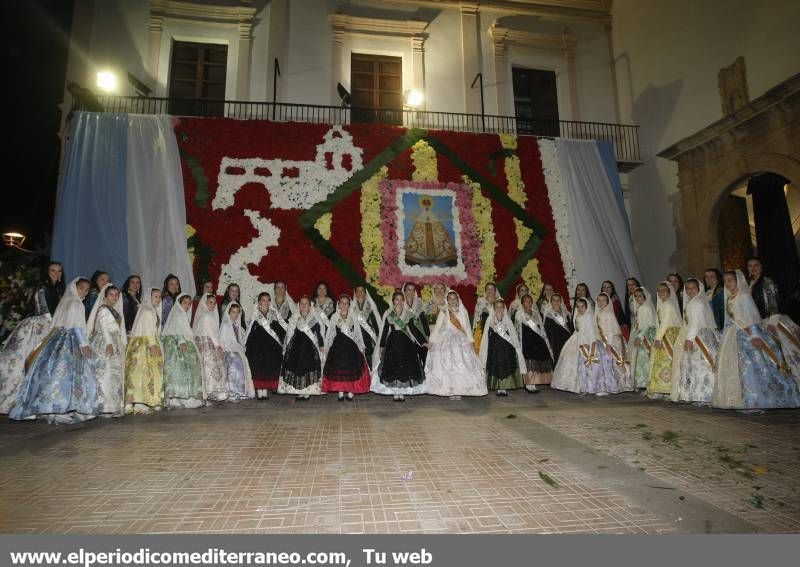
[[558, 204], [292, 184]]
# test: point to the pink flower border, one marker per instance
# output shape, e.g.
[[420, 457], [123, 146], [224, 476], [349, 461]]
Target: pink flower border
[[390, 273]]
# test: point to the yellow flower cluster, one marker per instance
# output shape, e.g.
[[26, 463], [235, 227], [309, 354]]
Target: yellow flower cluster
[[323, 225], [371, 238], [482, 211], [425, 166], [516, 190]]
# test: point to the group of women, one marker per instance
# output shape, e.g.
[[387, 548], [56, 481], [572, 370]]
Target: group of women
[[91, 349], [718, 342]]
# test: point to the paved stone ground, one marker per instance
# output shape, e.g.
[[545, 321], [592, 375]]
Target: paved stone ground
[[550, 463]]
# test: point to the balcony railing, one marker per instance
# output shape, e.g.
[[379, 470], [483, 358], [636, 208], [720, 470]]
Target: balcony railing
[[624, 137]]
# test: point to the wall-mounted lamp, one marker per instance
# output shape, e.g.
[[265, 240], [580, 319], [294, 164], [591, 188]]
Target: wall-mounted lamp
[[107, 81], [14, 240], [413, 98]]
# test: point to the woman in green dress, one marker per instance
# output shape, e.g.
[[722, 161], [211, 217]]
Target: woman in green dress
[[183, 376]]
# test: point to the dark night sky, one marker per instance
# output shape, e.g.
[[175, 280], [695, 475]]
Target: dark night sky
[[37, 35]]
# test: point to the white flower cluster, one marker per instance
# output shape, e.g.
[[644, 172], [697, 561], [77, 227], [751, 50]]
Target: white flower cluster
[[237, 269], [292, 184], [558, 204]]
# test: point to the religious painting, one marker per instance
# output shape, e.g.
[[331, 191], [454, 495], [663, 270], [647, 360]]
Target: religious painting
[[428, 230]]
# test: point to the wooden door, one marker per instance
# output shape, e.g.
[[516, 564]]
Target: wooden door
[[376, 83]]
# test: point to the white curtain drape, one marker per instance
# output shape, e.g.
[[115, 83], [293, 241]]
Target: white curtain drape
[[600, 241], [156, 207]]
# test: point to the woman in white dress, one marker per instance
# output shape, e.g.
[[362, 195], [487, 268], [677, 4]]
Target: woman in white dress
[[643, 335], [212, 357], [751, 372], [28, 335], [585, 366], [59, 384], [183, 377], [436, 303], [144, 360], [237, 369], [613, 341], [452, 367], [695, 349], [108, 340]]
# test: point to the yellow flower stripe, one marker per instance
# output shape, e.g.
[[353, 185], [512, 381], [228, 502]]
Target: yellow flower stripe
[[190, 231], [516, 190], [371, 238], [323, 225]]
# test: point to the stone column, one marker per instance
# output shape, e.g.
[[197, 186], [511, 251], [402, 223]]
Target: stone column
[[470, 55], [154, 51], [337, 62], [501, 79], [418, 67], [243, 63], [572, 73]]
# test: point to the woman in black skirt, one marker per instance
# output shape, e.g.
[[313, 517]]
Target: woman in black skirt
[[557, 325], [301, 372], [400, 371], [345, 370], [264, 346], [535, 348], [500, 352]]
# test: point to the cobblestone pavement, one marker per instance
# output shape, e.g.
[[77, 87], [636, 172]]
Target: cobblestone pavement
[[549, 463]]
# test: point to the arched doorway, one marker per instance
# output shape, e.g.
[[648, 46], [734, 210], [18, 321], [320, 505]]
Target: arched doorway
[[760, 216]]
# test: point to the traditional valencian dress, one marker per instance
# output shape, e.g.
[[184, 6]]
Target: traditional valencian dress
[[324, 306], [264, 347], [585, 366], [748, 376], [483, 308], [183, 374], [516, 304], [400, 370], [613, 339], [693, 370], [452, 367], [22, 341], [301, 372], [669, 327], [107, 327], [59, 384], [369, 318], [345, 368], [144, 362], [237, 369], [419, 318], [432, 308], [644, 329], [558, 327], [501, 354], [535, 346], [787, 334], [212, 360]]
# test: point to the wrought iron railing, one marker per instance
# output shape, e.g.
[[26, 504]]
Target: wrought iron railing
[[624, 137]]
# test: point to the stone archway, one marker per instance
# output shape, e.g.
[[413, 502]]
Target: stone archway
[[759, 137]]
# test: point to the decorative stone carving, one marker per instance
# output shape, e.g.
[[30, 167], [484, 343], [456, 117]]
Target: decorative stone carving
[[733, 87]]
